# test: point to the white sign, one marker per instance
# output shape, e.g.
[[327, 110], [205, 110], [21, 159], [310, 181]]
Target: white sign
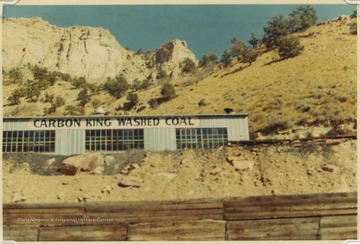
[[113, 123]]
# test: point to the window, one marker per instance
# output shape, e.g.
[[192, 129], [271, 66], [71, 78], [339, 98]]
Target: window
[[114, 140], [201, 138], [29, 141]]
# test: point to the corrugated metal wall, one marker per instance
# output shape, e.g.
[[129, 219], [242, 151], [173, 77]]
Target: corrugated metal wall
[[72, 141], [15, 124], [237, 126], [160, 139], [69, 142]]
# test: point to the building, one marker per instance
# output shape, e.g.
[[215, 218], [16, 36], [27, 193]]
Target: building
[[77, 135]]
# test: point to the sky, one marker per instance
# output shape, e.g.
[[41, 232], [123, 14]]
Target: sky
[[205, 28]]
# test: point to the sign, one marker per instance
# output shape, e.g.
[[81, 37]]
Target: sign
[[113, 123]]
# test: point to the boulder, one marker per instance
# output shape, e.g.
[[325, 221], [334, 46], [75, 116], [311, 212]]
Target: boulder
[[50, 161], [169, 176], [129, 183], [216, 171], [93, 163], [70, 166], [135, 180], [18, 197], [109, 160], [329, 168], [240, 165]]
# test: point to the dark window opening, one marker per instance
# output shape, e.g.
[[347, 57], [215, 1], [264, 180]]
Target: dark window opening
[[114, 140], [29, 141], [201, 138]]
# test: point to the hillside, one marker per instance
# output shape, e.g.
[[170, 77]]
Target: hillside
[[309, 95]]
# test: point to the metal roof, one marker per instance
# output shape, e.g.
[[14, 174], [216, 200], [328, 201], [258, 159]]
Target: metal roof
[[130, 116]]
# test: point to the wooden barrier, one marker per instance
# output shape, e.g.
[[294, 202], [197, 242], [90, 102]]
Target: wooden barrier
[[289, 217]]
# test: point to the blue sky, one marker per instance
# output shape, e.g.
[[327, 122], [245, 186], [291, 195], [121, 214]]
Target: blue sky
[[205, 28]]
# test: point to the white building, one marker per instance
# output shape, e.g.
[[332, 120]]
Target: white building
[[77, 135]]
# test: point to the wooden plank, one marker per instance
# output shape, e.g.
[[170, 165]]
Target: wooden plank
[[116, 207], [42, 205], [340, 233], [20, 233], [291, 200], [338, 227], [84, 233], [58, 210], [286, 214], [175, 213], [293, 206], [182, 231], [277, 229], [338, 221]]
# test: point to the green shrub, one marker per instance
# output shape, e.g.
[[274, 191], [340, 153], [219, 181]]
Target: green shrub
[[16, 75], [253, 41], [154, 103], [59, 101], [249, 56], [83, 97], [168, 92], [72, 110], [95, 103], [141, 85], [302, 18], [353, 28], [237, 47], [188, 66], [15, 96], [226, 58], [162, 75], [208, 60], [48, 97], [202, 102], [132, 101], [277, 27], [79, 83], [117, 87], [289, 47]]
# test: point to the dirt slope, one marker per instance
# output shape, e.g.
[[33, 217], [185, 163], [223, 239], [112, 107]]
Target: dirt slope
[[303, 167]]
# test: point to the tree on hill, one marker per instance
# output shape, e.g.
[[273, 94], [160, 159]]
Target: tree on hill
[[277, 27], [133, 99], [249, 56], [302, 18], [188, 66], [162, 75], [168, 92], [79, 82], [237, 47], [226, 58], [253, 41], [208, 60], [289, 47], [117, 87], [83, 97], [353, 28], [16, 75]]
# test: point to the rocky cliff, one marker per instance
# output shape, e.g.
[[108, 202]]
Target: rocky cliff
[[85, 51]]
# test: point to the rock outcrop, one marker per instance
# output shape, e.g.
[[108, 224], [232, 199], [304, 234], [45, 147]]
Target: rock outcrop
[[92, 163], [85, 51]]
